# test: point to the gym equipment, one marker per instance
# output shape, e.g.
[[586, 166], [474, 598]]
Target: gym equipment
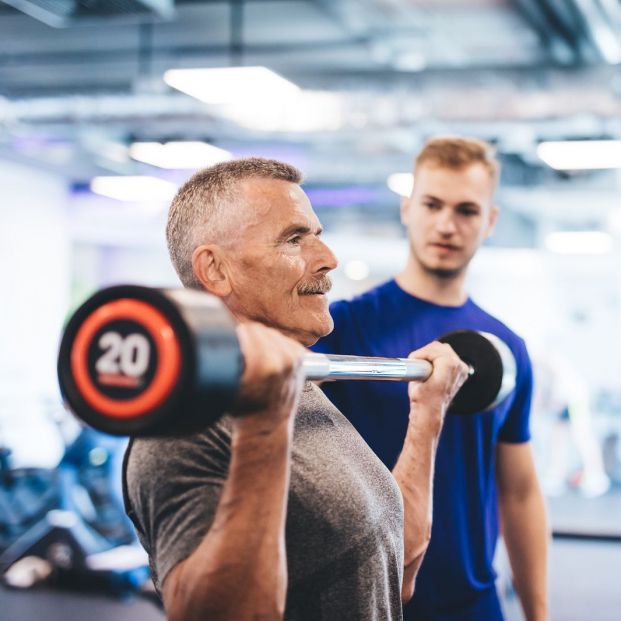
[[26, 495], [142, 361], [63, 526]]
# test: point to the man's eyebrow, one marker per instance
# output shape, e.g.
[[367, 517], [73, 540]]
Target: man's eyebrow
[[298, 229], [461, 204]]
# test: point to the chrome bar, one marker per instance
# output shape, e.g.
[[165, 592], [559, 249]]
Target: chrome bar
[[337, 367]]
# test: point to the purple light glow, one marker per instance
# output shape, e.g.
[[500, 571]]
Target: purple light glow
[[343, 196]]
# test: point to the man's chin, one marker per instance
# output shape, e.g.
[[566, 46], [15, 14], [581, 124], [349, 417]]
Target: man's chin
[[447, 273], [329, 327], [444, 270], [321, 331]]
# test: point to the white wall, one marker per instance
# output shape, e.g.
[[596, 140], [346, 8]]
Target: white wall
[[34, 280]]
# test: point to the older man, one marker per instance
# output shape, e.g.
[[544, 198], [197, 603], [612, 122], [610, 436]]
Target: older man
[[279, 510]]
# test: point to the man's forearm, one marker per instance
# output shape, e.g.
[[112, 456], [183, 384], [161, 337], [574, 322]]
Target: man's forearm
[[414, 475], [526, 537], [239, 570]]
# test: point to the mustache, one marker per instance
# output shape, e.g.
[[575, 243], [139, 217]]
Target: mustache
[[323, 284]]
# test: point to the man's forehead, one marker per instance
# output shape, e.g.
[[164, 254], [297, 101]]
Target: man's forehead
[[277, 201], [475, 171], [473, 179], [261, 191]]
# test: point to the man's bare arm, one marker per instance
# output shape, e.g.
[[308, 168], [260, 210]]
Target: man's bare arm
[[524, 525], [414, 469], [239, 569]]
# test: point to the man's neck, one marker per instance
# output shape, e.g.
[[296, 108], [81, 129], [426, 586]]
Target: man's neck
[[444, 291]]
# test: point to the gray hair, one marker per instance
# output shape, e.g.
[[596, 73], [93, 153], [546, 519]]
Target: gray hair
[[202, 208]]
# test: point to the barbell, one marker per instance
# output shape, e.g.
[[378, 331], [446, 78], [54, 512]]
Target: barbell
[[142, 361]]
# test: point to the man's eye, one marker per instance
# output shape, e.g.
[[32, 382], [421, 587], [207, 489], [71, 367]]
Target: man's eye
[[468, 212], [294, 240], [431, 205]]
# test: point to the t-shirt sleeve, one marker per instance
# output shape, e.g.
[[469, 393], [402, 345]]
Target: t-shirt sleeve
[[173, 489], [516, 427]]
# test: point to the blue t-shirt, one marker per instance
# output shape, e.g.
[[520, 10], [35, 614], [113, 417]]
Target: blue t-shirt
[[456, 580]]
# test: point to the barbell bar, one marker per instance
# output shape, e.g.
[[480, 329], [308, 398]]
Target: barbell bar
[[142, 361]]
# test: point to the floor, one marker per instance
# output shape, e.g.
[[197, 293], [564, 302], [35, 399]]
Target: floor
[[585, 583], [585, 576]]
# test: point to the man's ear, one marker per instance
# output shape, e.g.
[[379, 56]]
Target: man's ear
[[493, 216], [210, 269], [404, 209]]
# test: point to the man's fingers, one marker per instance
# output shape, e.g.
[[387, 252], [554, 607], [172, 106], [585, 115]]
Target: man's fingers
[[432, 350], [442, 356]]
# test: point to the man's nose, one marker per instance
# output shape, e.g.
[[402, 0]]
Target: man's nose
[[326, 261], [445, 222]]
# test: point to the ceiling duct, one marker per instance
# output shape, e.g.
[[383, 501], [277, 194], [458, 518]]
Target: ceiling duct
[[601, 24], [559, 28], [62, 13], [589, 29]]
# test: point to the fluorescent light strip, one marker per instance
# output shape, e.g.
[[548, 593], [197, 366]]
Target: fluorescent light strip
[[303, 111], [579, 242], [178, 155], [141, 189], [229, 84], [581, 154], [401, 183]]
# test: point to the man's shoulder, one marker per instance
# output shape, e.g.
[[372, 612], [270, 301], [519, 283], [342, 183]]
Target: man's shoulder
[[487, 322], [494, 322]]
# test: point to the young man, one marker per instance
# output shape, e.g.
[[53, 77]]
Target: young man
[[484, 464], [279, 510]]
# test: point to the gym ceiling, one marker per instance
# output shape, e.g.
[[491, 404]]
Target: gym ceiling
[[81, 80]]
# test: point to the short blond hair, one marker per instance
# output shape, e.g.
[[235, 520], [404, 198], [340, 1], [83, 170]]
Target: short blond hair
[[205, 206], [457, 153]]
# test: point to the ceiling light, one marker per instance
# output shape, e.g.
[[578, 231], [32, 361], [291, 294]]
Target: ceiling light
[[579, 242], [178, 155], [410, 61], [134, 189], [302, 111], [581, 154], [229, 84], [357, 270], [401, 183]]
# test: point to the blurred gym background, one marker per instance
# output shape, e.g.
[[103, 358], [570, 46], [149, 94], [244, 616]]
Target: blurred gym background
[[100, 121]]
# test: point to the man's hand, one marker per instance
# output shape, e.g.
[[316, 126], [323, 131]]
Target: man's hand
[[436, 392]]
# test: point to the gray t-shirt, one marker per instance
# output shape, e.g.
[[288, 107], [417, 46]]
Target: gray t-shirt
[[344, 530]]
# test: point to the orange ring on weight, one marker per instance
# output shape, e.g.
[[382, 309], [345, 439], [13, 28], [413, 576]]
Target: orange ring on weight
[[167, 346]]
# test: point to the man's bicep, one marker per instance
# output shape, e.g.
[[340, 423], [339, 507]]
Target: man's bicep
[[515, 468], [170, 585], [174, 493], [182, 525]]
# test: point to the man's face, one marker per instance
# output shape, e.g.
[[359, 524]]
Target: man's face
[[448, 216], [278, 265]]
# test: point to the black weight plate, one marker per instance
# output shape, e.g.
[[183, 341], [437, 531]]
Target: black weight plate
[[479, 391], [167, 414], [211, 363]]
